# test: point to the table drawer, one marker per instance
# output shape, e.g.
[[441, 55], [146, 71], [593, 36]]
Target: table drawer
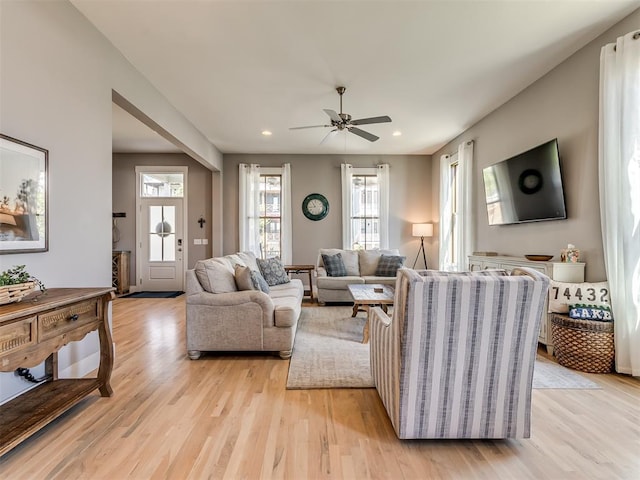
[[59, 321], [15, 336]]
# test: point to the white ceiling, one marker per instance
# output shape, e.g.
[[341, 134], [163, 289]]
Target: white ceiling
[[236, 68]]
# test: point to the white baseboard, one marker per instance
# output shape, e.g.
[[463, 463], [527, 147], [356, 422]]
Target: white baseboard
[[82, 367]]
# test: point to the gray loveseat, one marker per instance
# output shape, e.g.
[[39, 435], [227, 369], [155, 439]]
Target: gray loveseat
[[222, 317], [361, 266]]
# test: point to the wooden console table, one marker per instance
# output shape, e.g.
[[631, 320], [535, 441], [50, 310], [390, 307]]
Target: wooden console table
[[33, 332], [308, 269]]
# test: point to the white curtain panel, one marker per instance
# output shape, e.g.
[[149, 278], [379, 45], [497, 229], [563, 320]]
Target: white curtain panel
[[446, 219], [383, 192], [249, 202], [619, 177], [466, 231], [455, 257], [347, 234], [286, 231]]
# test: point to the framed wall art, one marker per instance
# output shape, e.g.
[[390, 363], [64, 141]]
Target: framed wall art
[[23, 197]]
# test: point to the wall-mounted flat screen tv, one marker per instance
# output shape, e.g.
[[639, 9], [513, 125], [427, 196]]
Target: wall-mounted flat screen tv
[[526, 187]]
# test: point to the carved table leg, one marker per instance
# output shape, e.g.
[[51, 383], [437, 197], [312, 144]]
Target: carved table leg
[[106, 350]]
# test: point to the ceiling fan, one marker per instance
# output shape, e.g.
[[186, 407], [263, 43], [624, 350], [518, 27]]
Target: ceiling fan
[[342, 121]]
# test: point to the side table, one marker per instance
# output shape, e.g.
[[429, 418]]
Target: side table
[[303, 269]]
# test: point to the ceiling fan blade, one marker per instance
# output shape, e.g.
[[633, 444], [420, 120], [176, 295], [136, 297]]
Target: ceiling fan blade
[[329, 135], [333, 115], [310, 126], [364, 121], [363, 134]]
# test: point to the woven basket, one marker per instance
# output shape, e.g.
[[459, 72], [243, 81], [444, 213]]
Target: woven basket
[[584, 345], [15, 293]]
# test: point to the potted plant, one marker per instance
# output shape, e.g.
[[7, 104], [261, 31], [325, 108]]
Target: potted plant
[[16, 282]]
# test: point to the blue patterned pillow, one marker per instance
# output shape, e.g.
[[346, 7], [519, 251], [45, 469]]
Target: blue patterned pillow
[[273, 271], [388, 265], [259, 283], [334, 265]]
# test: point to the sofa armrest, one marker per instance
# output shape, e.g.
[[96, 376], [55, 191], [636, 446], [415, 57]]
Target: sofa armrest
[[320, 271]]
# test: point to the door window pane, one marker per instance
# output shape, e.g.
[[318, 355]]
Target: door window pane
[[162, 185], [161, 233]]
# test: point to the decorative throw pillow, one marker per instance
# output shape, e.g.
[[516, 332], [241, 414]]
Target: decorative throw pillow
[[243, 278], [369, 259], [273, 271], [388, 265], [590, 312], [350, 259], [259, 283], [215, 277], [563, 294], [334, 265]]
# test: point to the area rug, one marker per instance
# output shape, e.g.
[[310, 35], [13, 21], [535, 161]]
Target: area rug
[[328, 353], [152, 295]]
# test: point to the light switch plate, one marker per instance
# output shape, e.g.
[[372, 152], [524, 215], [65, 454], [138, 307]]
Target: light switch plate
[[205, 241], [197, 241]]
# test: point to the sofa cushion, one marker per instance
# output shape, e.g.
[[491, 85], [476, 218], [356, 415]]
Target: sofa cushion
[[273, 271], [258, 281], [334, 265], [369, 260], [388, 265], [383, 280], [215, 276], [234, 259], [249, 260], [243, 278], [292, 289], [349, 258], [337, 283]]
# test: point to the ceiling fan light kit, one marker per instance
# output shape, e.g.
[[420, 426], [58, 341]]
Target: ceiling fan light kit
[[342, 121]]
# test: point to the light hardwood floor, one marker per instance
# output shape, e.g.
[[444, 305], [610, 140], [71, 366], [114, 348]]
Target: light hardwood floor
[[230, 416]]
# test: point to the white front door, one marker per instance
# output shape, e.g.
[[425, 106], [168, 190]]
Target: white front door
[[161, 232]]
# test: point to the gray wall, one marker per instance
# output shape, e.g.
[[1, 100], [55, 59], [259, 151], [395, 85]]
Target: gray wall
[[57, 74], [562, 104], [198, 201], [410, 199]]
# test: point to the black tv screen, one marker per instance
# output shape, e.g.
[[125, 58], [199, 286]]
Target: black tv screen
[[526, 187]]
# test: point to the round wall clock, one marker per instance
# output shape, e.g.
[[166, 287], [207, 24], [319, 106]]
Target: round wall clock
[[315, 206]]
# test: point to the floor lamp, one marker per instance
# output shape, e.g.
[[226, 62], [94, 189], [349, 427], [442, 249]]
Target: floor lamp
[[422, 230]]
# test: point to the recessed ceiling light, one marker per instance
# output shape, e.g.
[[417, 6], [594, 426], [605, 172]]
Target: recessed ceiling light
[[266, 133], [397, 133]]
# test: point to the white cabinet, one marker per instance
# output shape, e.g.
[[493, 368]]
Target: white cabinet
[[562, 272]]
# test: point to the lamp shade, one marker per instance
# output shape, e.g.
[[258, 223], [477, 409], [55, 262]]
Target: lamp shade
[[422, 230]]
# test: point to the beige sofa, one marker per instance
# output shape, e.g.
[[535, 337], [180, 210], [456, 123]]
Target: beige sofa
[[221, 317], [361, 267]]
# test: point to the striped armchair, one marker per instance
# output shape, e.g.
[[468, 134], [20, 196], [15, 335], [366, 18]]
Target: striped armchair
[[456, 358]]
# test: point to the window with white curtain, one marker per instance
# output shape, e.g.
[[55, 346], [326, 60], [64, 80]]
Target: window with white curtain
[[270, 215], [619, 178], [456, 216], [265, 211], [365, 207]]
